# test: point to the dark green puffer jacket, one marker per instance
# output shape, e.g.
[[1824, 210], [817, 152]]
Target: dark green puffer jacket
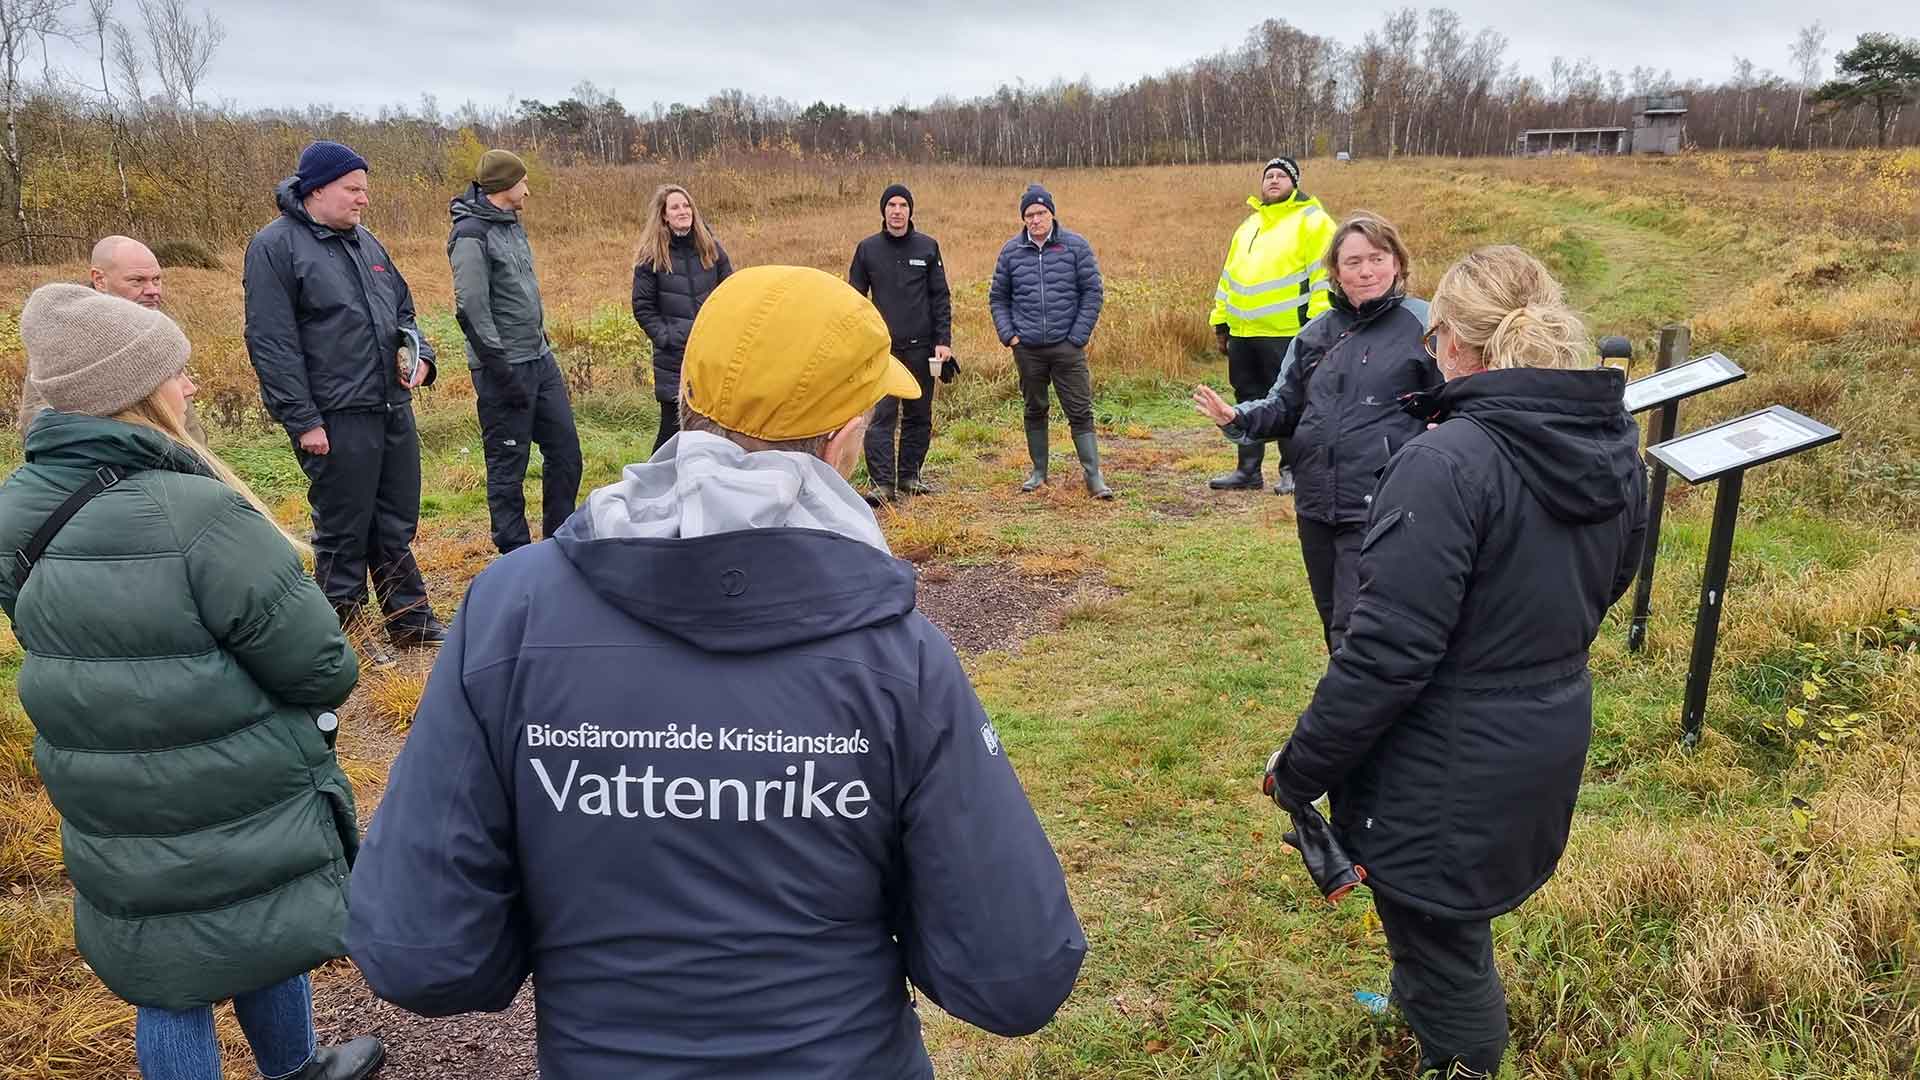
[[176, 659]]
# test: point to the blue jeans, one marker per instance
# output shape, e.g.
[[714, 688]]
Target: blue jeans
[[277, 1020]]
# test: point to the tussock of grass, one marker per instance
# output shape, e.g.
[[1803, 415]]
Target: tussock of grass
[[392, 696]]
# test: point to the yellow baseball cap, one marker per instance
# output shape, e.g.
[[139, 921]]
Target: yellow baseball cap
[[789, 352]]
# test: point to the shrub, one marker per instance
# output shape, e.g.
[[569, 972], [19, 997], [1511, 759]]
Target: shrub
[[191, 254]]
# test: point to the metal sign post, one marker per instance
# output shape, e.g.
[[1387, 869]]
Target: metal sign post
[[1673, 344], [1724, 452], [1665, 389]]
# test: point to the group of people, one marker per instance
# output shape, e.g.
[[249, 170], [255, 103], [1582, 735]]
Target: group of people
[[697, 765]]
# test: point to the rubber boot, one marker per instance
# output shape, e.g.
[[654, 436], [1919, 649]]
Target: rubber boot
[[1245, 478], [1284, 485], [1085, 445], [355, 1060], [1037, 451]]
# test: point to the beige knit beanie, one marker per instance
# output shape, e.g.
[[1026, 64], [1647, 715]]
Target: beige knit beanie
[[89, 352]]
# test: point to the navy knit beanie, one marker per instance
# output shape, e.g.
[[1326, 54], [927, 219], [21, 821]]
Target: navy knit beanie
[[1036, 194], [900, 190], [322, 163]]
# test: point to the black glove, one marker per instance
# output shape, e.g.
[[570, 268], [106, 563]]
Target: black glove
[[1221, 335], [1333, 873], [951, 369], [507, 385]]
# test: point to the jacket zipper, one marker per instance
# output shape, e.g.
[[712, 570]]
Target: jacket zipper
[[1041, 263]]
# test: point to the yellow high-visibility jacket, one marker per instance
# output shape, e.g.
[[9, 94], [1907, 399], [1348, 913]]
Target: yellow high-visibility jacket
[[1274, 281]]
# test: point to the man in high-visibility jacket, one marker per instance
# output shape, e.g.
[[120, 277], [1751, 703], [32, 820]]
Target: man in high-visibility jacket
[[1273, 283]]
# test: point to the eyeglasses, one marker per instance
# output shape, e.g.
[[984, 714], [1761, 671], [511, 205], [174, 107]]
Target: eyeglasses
[[1431, 342]]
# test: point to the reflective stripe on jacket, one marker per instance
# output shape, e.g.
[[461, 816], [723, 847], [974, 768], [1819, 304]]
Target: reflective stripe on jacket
[[1273, 282]]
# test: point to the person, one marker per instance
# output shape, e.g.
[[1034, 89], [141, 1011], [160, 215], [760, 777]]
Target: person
[[331, 334], [1045, 298], [676, 266], [1452, 724], [1338, 397], [900, 266], [124, 267], [517, 386], [702, 768], [180, 672], [1273, 283]]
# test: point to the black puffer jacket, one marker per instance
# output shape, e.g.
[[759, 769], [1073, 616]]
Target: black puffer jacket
[[1452, 724], [1337, 397], [325, 309], [665, 302]]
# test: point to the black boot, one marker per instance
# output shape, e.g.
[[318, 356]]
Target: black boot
[[913, 485], [1037, 452], [1283, 486], [1247, 476], [1088, 448], [418, 632], [354, 1060], [879, 495]]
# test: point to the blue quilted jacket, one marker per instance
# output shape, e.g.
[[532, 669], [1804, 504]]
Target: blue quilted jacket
[[1046, 293]]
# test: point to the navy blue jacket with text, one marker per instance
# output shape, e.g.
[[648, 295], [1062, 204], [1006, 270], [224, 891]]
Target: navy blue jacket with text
[[701, 770]]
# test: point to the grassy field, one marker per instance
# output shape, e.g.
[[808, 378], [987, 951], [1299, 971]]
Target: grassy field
[[1744, 910]]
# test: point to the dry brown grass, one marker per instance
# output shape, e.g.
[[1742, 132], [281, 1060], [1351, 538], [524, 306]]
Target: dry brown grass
[[392, 696]]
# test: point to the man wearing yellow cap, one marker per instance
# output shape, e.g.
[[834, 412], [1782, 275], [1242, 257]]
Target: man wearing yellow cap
[[702, 758]]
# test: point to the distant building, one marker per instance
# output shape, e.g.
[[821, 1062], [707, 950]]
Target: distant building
[[1659, 127], [1659, 124], [1540, 142]]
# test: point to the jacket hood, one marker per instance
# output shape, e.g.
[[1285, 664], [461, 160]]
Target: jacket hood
[[1376, 307], [473, 203], [291, 205], [77, 441], [1298, 200], [737, 551], [1566, 432]]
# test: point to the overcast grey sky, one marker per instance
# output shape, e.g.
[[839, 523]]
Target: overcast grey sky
[[871, 53]]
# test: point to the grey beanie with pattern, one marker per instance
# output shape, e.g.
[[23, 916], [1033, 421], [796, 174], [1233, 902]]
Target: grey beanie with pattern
[[89, 352]]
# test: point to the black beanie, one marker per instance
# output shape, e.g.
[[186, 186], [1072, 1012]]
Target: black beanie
[[887, 197], [1284, 164], [1036, 194]]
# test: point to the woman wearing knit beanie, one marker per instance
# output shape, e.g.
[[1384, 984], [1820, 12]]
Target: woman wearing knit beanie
[[181, 674]]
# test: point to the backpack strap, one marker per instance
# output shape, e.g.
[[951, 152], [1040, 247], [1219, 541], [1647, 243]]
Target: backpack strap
[[103, 478]]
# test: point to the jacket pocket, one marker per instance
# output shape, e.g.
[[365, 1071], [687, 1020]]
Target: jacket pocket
[[1384, 526], [338, 797]]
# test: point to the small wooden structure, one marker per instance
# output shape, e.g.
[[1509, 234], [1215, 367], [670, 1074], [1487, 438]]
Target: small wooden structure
[[1541, 142], [1659, 124]]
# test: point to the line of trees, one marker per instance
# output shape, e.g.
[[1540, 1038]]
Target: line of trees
[[1422, 83], [130, 143]]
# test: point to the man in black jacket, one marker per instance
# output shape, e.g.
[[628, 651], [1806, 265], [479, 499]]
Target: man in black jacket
[[517, 385], [330, 331], [900, 267]]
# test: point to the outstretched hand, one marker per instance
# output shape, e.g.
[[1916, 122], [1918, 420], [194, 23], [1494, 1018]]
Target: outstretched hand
[[1211, 405]]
